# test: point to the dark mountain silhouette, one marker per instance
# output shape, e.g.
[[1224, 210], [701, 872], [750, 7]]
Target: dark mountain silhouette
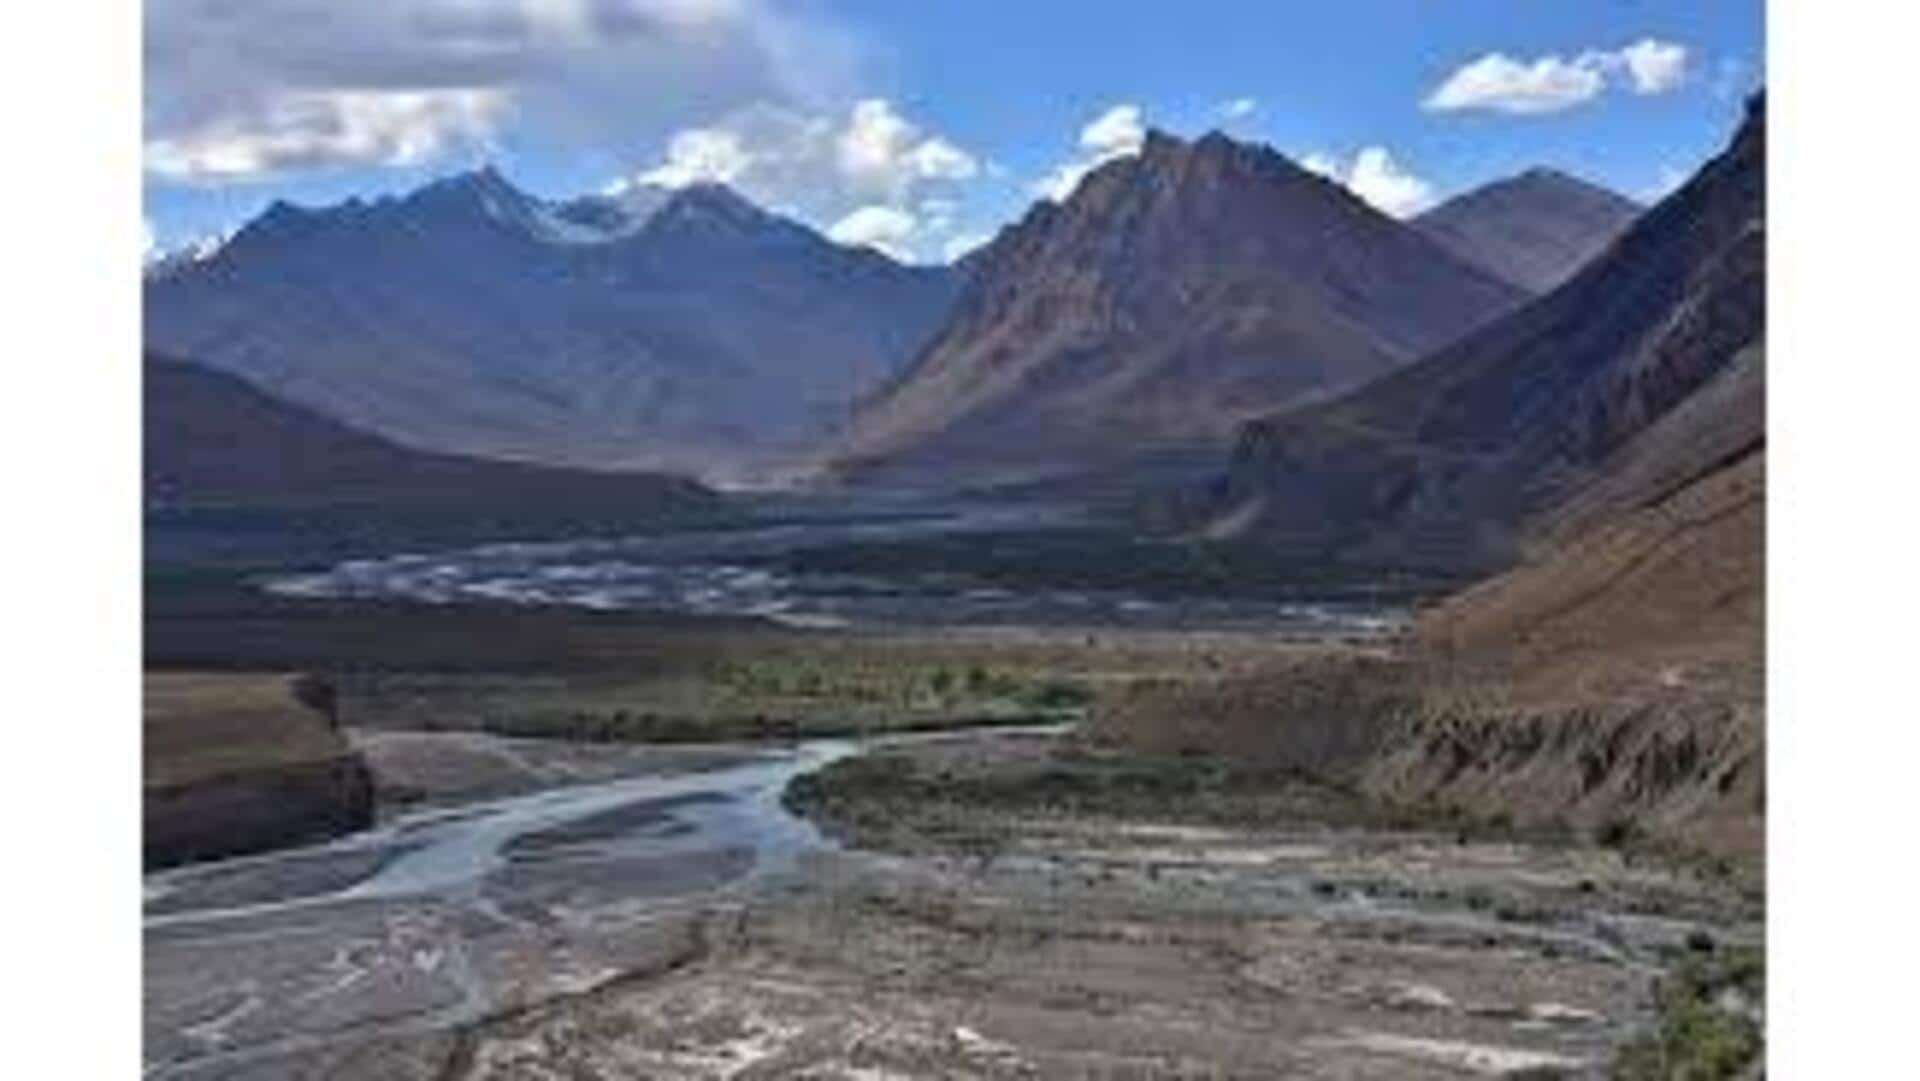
[[1175, 294], [643, 329], [1534, 230]]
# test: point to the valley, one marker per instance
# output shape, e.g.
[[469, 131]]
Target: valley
[[1216, 628], [557, 910]]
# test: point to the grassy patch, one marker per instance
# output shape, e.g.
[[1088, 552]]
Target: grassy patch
[[1709, 1026], [694, 687], [1097, 559], [894, 801]]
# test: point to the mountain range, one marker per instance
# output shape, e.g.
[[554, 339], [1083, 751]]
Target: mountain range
[[1172, 296], [687, 329], [1636, 378]]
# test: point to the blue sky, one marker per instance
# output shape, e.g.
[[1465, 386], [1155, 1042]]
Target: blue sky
[[918, 127]]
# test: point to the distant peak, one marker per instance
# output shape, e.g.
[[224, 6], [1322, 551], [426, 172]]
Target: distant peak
[[487, 179], [1213, 146], [280, 216], [1549, 178], [709, 193], [1161, 144], [708, 205]]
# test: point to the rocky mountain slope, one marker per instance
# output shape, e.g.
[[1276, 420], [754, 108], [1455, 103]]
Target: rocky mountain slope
[[1458, 459], [644, 329], [1604, 448], [1533, 230], [211, 439], [1175, 294]]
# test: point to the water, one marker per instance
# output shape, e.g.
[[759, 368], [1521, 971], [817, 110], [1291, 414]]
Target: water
[[738, 573], [468, 852]]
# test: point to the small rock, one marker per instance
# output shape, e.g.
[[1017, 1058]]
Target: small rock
[[1556, 1013], [1418, 996]]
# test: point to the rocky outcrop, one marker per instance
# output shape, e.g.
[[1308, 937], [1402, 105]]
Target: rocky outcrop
[[1691, 772], [256, 810], [234, 764], [1171, 297]]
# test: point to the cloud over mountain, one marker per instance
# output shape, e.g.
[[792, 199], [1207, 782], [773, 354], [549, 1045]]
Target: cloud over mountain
[[1375, 176], [1115, 133], [869, 175], [258, 90], [1553, 83]]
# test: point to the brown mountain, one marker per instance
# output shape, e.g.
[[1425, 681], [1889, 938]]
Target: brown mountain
[[213, 440], [1175, 294], [1635, 378], [1534, 230]]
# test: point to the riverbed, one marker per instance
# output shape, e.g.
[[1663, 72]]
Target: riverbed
[[553, 910], [847, 564]]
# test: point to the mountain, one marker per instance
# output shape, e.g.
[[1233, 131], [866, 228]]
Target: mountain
[[1173, 295], [1636, 377], [1534, 230], [213, 440], [685, 329]]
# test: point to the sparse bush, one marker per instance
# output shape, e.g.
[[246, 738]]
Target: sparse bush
[[1708, 1028], [1058, 695], [1618, 833]]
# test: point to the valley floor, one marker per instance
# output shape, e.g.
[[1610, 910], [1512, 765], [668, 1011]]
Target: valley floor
[[1001, 904], [628, 844]]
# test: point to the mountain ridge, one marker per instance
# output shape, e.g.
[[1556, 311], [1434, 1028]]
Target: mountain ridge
[[211, 439], [1173, 293], [470, 317], [1462, 453]]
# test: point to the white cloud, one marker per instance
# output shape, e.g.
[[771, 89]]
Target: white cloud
[[699, 155], [780, 154], [1323, 164], [1378, 179], [887, 228], [1730, 79], [300, 129], [238, 90], [884, 153], [1668, 182], [1497, 82], [1115, 133], [1656, 67], [1238, 108], [869, 175], [961, 245], [1374, 176]]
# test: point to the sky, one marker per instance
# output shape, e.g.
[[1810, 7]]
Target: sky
[[916, 127]]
